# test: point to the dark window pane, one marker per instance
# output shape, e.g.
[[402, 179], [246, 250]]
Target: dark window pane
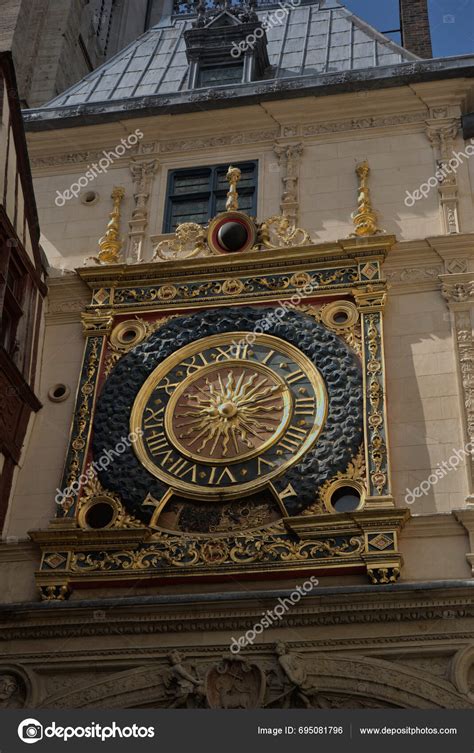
[[245, 203], [191, 183], [247, 178], [220, 74], [196, 195]]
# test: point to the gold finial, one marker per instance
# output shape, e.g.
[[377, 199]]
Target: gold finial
[[233, 176], [365, 218], [111, 243]]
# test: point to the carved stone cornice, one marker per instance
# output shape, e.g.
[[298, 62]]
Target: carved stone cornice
[[17, 551], [361, 123], [431, 526], [67, 297], [148, 616], [212, 141], [456, 252]]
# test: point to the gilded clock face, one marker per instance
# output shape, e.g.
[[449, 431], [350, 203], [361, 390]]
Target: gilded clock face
[[221, 416]]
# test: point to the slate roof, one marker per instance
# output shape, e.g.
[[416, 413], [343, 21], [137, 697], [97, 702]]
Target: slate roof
[[315, 38]]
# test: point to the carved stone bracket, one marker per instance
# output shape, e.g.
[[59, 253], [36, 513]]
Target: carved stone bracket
[[142, 173], [442, 136], [458, 291], [289, 159]]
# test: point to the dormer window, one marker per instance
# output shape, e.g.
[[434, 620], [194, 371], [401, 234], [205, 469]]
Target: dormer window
[[218, 48], [217, 75]]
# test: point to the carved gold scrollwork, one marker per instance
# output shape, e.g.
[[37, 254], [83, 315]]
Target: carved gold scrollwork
[[348, 329], [83, 412], [189, 240], [355, 473], [94, 493], [279, 232], [377, 446], [179, 551], [120, 345]]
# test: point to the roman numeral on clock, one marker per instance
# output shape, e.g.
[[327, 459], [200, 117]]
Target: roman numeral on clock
[[261, 462], [156, 442], [268, 356], [182, 468], [295, 376], [154, 418], [234, 350], [225, 473], [193, 365], [293, 438], [305, 406], [166, 385]]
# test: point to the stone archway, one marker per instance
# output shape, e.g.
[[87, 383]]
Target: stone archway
[[286, 680]]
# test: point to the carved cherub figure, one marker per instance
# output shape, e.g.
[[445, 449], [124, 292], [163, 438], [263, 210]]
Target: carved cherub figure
[[9, 692], [183, 683], [294, 669]]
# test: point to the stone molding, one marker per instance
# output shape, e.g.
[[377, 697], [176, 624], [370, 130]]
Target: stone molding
[[18, 551], [430, 526], [42, 161], [417, 265], [380, 607], [68, 296]]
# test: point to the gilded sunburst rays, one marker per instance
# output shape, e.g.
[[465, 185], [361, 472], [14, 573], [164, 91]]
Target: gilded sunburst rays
[[231, 412]]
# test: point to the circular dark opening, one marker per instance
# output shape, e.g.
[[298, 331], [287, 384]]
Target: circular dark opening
[[129, 335], [90, 197], [100, 515], [340, 317], [345, 499], [232, 236], [59, 391]]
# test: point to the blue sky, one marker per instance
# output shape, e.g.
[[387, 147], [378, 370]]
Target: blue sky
[[452, 22]]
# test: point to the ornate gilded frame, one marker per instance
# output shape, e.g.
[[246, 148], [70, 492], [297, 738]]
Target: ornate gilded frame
[[338, 277]]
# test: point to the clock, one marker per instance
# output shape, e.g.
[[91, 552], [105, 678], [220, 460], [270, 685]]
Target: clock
[[223, 416], [228, 406]]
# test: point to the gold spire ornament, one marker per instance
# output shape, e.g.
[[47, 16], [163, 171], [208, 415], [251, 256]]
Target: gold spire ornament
[[233, 176], [365, 218], [110, 244]]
